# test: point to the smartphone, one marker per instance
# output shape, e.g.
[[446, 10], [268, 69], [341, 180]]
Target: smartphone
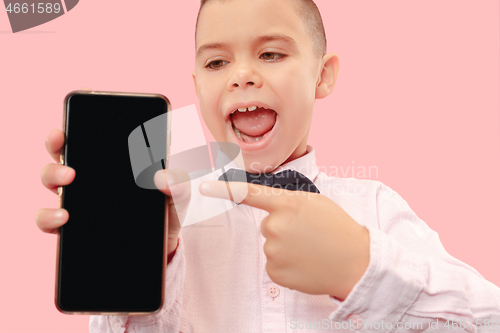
[[111, 254]]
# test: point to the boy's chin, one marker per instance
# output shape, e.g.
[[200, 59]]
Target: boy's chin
[[261, 156], [260, 162], [267, 160]]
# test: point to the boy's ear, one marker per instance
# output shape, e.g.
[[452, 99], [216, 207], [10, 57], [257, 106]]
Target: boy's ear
[[195, 88], [328, 78]]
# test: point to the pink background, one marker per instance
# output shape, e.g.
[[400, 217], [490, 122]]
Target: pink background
[[417, 97]]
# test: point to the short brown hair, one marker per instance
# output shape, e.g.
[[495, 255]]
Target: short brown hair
[[311, 17]]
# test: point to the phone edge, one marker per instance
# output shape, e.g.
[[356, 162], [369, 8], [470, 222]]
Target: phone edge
[[62, 160]]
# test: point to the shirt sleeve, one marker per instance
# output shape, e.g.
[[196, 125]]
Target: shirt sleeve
[[168, 319], [411, 279]]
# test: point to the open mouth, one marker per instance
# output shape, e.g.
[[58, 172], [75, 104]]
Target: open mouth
[[253, 124]]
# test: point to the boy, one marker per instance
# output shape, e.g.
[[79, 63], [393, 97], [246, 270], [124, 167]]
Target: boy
[[289, 260]]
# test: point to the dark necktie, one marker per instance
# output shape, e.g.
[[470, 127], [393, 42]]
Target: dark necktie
[[287, 179]]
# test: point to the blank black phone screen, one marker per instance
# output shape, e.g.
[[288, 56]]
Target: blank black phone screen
[[111, 250]]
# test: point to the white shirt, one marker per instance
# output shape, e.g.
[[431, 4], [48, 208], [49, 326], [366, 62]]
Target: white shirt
[[217, 282]]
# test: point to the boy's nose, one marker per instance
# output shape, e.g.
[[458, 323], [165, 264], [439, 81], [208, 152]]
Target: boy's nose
[[242, 77]]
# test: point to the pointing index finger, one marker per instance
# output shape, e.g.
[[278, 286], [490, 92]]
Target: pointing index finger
[[254, 195]]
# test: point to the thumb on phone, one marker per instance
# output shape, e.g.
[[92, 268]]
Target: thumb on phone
[[176, 184]]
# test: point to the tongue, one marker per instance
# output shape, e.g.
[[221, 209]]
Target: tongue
[[254, 123]]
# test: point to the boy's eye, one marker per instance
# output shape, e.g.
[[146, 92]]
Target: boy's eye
[[215, 62], [273, 54], [269, 56]]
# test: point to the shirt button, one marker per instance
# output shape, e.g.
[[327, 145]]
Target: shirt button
[[357, 319], [273, 290]]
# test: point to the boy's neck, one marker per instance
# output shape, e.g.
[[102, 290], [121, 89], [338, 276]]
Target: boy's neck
[[300, 151]]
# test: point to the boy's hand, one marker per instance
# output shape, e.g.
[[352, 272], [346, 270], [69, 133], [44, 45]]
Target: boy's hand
[[312, 245], [174, 182], [53, 176], [56, 175]]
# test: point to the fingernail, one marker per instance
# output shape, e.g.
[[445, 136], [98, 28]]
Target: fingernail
[[63, 173], [59, 214], [170, 178], [205, 188]]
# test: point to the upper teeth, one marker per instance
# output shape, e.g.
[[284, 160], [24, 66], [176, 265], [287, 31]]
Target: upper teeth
[[250, 108]]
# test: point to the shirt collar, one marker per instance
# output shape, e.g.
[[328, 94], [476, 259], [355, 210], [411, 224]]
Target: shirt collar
[[305, 164]]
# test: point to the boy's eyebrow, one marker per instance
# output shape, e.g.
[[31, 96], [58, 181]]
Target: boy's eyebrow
[[258, 40]]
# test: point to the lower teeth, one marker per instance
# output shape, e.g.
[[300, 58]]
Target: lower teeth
[[238, 134]]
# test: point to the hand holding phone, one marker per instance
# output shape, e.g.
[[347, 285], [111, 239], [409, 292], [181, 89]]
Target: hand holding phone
[[49, 220], [55, 175]]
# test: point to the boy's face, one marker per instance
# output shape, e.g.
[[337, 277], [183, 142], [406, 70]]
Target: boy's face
[[274, 73]]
